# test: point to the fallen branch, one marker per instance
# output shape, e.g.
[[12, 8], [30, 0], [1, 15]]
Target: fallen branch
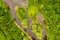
[[12, 4], [28, 31], [41, 19]]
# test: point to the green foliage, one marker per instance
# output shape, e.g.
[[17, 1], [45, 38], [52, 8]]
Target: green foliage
[[49, 8], [51, 13], [32, 11], [8, 29]]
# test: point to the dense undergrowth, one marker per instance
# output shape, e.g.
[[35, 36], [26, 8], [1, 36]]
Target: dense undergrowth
[[49, 8]]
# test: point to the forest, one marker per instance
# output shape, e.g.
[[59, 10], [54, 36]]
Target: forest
[[24, 21]]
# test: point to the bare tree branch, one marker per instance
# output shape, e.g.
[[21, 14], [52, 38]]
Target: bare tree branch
[[28, 19], [11, 4], [16, 18], [41, 19], [28, 31]]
